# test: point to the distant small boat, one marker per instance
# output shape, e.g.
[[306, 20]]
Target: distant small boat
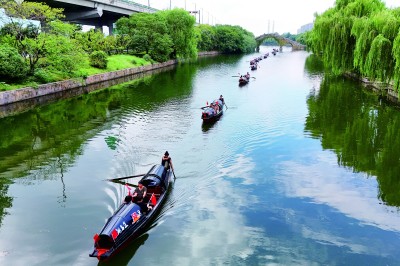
[[244, 79], [254, 67]]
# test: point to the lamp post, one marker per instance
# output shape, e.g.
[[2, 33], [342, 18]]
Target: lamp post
[[170, 4]]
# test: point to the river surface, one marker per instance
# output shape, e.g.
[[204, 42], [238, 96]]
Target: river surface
[[302, 169]]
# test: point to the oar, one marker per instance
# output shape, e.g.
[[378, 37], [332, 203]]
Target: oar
[[123, 183], [235, 76], [173, 172], [226, 105], [126, 177], [253, 77]]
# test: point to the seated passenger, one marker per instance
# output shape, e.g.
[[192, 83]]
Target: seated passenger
[[140, 193]]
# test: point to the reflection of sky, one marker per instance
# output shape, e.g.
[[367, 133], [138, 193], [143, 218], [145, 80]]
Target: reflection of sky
[[211, 230], [222, 232], [350, 193]]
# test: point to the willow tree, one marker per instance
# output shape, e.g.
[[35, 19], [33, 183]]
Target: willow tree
[[375, 36], [332, 36], [180, 25], [148, 33], [396, 56], [206, 37]]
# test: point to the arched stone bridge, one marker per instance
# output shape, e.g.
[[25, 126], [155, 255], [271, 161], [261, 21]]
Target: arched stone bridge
[[281, 41]]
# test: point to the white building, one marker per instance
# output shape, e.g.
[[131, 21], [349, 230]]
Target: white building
[[305, 28]]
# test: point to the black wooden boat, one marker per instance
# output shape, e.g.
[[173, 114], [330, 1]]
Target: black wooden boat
[[254, 67], [130, 220], [244, 80], [213, 111]]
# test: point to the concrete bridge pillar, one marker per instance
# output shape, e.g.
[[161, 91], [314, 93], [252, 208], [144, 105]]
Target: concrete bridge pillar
[[110, 27]]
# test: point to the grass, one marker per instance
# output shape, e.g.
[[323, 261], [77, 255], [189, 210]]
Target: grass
[[115, 62]]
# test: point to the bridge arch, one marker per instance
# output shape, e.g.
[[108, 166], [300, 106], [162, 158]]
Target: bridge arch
[[281, 41]]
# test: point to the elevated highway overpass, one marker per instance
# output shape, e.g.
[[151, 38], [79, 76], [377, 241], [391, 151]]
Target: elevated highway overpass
[[97, 13]]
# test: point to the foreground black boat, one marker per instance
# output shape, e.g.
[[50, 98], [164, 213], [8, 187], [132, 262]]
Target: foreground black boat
[[130, 219], [213, 111]]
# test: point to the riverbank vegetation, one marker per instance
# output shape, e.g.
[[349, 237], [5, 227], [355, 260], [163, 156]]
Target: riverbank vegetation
[[31, 54], [361, 37]]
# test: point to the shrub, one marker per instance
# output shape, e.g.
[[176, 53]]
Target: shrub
[[147, 58], [98, 59], [43, 75], [13, 65]]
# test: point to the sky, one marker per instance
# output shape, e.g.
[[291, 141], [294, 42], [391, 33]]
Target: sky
[[282, 16]]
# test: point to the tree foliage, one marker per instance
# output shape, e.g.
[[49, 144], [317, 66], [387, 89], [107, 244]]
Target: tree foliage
[[12, 65], [206, 37], [32, 11], [98, 59], [234, 39], [360, 36], [180, 25], [144, 29]]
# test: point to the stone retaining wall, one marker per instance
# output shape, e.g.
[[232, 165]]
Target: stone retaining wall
[[384, 89], [12, 96]]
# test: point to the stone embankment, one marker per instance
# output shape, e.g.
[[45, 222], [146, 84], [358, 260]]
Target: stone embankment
[[384, 89], [13, 96]]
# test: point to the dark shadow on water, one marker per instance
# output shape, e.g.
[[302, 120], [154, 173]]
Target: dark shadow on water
[[206, 126], [125, 255]]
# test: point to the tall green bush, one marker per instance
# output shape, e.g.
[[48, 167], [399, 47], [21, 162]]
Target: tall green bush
[[13, 65], [98, 59]]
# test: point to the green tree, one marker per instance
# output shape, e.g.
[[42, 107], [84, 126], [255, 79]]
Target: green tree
[[161, 48], [331, 36], [180, 25], [234, 39], [206, 37], [98, 59], [144, 29], [92, 40], [13, 65], [33, 11]]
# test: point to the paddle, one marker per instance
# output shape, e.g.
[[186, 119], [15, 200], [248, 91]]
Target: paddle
[[126, 177], [123, 183], [173, 172], [226, 105], [235, 76]]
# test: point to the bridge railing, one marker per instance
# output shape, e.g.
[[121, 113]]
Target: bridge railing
[[131, 3]]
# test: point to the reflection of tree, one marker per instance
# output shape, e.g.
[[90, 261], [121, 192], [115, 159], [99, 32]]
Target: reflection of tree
[[46, 140], [5, 201], [363, 134]]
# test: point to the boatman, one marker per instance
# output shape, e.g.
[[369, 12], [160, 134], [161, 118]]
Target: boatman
[[221, 98], [166, 161]]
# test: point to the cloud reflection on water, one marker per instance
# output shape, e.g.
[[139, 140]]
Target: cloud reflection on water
[[350, 193]]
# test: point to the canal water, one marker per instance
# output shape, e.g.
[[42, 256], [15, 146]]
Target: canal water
[[301, 169]]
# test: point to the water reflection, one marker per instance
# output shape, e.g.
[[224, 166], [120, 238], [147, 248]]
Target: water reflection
[[206, 126], [126, 254], [353, 124]]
